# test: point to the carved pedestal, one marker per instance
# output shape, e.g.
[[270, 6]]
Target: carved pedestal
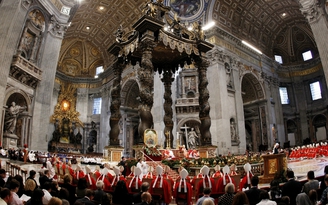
[[113, 153], [273, 163], [9, 140], [207, 151]]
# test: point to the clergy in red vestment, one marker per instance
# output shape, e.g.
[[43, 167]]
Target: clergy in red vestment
[[110, 177], [223, 181], [166, 175], [246, 181], [135, 183], [149, 174], [160, 183], [183, 189], [207, 181], [97, 172], [78, 172], [218, 172], [103, 177], [70, 169], [90, 178], [132, 171], [117, 177], [178, 179], [63, 166], [199, 175]]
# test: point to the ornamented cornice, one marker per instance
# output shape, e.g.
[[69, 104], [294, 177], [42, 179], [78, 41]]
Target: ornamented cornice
[[300, 70]]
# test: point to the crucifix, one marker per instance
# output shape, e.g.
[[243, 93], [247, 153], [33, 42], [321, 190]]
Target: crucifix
[[186, 133]]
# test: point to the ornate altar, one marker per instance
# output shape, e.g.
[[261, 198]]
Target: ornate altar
[[65, 119], [273, 163]]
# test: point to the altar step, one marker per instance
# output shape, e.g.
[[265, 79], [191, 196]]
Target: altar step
[[172, 173]]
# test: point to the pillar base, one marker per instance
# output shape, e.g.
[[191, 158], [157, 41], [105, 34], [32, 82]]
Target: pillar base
[[9, 141], [207, 151], [113, 153]]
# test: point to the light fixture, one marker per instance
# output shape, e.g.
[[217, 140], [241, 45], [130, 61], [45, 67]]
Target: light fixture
[[251, 46], [96, 76], [87, 27], [65, 105], [101, 8], [283, 14], [208, 26]]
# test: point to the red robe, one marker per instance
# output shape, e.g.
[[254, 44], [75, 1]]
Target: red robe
[[200, 185], [92, 184], [200, 175], [220, 186], [183, 195], [166, 189], [97, 174], [79, 174], [107, 184], [110, 177], [217, 174], [133, 184], [166, 176], [115, 180], [243, 182]]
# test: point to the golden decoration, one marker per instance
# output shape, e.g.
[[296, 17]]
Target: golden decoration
[[66, 106], [272, 166], [75, 52]]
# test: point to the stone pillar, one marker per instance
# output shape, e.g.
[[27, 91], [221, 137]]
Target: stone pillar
[[146, 82], [43, 98], [254, 139], [115, 106], [12, 17], [204, 106], [317, 19], [167, 80]]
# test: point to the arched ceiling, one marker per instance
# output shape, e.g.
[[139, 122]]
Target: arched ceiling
[[259, 22]]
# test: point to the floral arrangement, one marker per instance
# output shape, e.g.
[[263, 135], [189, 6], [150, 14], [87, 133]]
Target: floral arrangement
[[152, 151], [219, 160]]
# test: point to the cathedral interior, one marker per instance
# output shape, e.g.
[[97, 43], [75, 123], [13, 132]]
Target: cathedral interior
[[80, 75]]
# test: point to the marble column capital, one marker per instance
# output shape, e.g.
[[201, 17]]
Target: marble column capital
[[57, 29], [311, 10]]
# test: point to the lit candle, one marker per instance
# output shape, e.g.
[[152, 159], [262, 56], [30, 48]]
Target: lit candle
[[177, 135]]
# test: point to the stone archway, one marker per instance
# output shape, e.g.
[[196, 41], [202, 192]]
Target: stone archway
[[130, 117], [255, 112]]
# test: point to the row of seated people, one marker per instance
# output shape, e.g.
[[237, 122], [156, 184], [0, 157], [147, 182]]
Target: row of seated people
[[133, 182], [309, 151]]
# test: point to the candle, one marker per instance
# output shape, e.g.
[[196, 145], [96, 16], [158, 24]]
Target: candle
[[177, 135]]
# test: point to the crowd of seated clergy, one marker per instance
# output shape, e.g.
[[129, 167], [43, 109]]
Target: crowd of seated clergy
[[107, 184]]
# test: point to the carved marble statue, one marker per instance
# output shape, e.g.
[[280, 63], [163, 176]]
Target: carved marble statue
[[192, 139], [11, 117], [233, 131]]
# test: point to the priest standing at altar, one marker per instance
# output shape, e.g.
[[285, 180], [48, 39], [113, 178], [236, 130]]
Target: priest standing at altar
[[143, 166]]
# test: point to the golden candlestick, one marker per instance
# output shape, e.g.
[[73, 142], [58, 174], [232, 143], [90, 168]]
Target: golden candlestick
[[168, 137]]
